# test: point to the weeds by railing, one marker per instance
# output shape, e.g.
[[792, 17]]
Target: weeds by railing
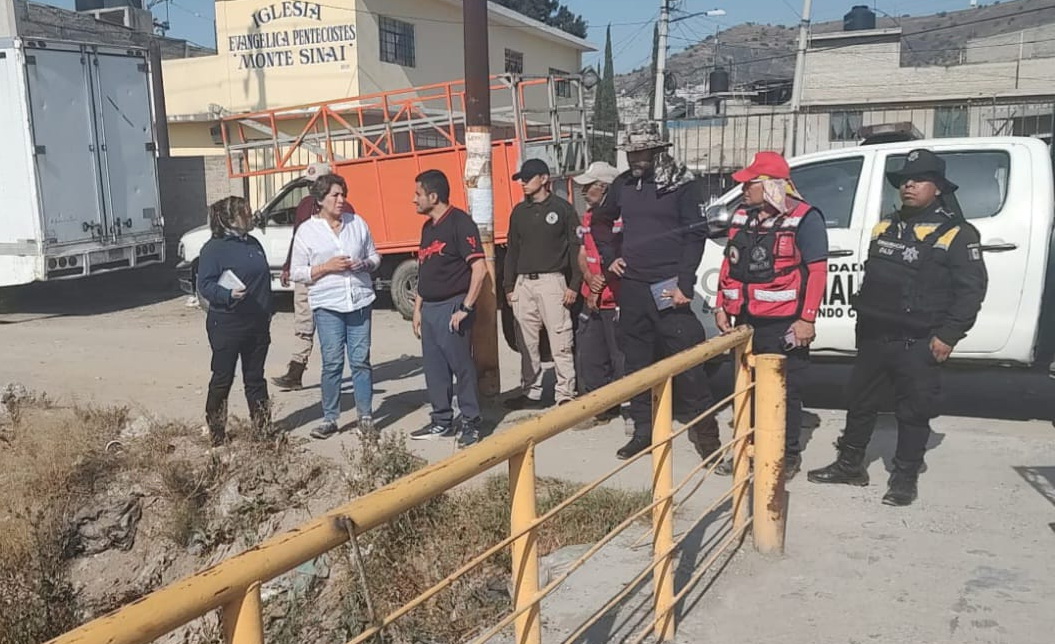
[[233, 586]]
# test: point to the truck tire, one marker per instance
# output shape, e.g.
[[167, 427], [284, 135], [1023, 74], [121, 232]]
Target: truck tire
[[404, 287]]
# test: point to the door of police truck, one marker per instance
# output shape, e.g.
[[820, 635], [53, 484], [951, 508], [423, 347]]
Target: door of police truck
[[1004, 197]]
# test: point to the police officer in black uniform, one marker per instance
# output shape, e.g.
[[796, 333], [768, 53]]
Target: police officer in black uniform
[[923, 285]]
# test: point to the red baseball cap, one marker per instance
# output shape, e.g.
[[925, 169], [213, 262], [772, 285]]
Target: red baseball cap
[[766, 164]]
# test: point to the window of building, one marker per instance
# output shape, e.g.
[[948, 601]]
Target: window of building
[[844, 126], [514, 62], [397, 41], [981, 175], [950, 122], [563, 87], [830, 186]]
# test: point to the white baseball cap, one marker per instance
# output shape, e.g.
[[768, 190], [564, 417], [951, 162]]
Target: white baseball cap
[[598, 171]]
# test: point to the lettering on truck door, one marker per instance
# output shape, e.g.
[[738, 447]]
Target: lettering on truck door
[[833, 186], [994, 193]]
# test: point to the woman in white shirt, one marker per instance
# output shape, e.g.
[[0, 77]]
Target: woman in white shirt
[[334, 254]]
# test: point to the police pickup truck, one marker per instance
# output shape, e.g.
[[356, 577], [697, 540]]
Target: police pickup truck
[[1006, 192]]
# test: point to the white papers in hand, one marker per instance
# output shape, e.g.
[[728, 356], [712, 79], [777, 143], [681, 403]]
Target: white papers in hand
[[230, 281]]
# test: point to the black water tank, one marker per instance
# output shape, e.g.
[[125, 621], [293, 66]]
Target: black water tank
[[859, 18], [719, 81]]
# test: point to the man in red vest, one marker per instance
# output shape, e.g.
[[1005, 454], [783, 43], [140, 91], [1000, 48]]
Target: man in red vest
[[773, 278], [599, 354]]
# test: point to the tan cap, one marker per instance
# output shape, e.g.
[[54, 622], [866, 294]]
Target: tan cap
[[598, 171]]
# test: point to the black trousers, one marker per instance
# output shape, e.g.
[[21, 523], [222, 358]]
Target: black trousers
[[600, 360], [233, 338], [649, 335], [769, 339], [448, 361], [916, 377]]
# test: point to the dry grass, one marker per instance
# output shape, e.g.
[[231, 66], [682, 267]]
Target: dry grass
[[52, 462], [56, 460]]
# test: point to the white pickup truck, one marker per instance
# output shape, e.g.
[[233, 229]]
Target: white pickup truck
[[1006, 192]]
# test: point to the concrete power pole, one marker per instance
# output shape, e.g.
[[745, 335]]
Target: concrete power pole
[[659, 111], [480, 189], [791, 135]]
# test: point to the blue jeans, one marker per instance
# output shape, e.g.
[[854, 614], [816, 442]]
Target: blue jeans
[[339, 332]]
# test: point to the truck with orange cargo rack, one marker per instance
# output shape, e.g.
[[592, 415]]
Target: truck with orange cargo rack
[[379, 143]]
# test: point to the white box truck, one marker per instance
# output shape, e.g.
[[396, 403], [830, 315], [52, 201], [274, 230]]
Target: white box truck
[[78, 173]]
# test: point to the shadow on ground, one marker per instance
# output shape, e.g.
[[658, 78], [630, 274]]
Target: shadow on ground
[[392, 407], [982, 392], [93, 295]]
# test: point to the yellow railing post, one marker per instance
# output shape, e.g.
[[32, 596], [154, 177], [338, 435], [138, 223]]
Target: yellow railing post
[[525, 549], [742, 406], [663, 514], [243, 619], [770, 499]]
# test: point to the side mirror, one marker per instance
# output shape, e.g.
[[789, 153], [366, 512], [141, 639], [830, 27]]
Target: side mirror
[[260, 219], [718, 217]]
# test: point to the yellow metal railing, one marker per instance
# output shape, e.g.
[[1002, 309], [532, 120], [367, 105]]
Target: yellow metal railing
[[233, 586]]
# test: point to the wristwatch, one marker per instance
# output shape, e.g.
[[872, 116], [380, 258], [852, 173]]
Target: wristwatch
[[465, 308]]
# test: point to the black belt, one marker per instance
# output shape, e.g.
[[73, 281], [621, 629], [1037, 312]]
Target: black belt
[[535, 276]]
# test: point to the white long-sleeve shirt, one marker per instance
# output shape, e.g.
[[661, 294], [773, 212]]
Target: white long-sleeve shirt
[[316, 243]]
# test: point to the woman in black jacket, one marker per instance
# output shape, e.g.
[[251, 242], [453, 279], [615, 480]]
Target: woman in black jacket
[[234, 277]]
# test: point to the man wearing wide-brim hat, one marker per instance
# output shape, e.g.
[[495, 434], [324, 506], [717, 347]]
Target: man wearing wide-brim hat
[[924, 283], [662, 244]]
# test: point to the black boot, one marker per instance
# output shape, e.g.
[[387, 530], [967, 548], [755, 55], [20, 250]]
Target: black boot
[[292, 380], [902, 489], [704, 437], [260, 416], [848, 468]]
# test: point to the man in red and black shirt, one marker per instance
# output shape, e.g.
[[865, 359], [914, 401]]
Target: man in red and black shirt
[[599, 354], [451, 274]]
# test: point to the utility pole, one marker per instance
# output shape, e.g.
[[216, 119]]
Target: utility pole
[[659, 111], [791, 135], [480, 189]]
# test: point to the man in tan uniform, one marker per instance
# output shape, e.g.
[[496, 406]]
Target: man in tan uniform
[[543, 247]]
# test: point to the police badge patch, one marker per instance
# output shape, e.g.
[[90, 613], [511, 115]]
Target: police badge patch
[[974, 252], [551, 218]]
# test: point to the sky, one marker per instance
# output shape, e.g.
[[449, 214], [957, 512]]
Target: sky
[[631, 20]]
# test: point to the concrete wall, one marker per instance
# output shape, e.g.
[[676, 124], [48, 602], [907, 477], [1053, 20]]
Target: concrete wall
[[1035, 42], [183, 198], [872, 73], [263, 61], [438, 45]]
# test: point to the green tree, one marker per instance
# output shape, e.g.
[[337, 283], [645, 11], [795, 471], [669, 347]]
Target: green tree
[[605, 109], [550, 12]]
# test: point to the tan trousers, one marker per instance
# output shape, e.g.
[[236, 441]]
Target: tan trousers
[[537, 303], [303, 325]]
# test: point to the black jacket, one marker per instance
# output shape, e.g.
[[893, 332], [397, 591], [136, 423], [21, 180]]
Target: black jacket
[[663, 234], [956, 279]]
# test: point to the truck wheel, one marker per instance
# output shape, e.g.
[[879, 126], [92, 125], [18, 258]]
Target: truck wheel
[[404, 287]]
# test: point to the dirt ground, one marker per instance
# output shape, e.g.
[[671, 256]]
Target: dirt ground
[[970, 563]]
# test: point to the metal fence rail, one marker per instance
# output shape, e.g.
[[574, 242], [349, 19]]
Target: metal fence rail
[[233, 586]]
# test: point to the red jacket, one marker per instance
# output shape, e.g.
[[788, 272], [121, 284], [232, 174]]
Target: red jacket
[[763, 274], [595, 263]]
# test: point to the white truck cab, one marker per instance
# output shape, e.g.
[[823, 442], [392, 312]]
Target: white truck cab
[[1006, 193], [274, 230]]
